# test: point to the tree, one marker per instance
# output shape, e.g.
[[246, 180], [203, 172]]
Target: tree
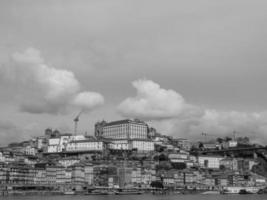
[[164, 165], [219, 140], [179, 166], [156, 158], [201, 145], [222, 167], [163, 157]]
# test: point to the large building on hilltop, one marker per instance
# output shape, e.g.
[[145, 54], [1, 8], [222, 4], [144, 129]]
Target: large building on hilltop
[[123, 129]]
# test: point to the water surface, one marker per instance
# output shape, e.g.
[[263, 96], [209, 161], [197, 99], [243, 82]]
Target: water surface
[[139, 197]]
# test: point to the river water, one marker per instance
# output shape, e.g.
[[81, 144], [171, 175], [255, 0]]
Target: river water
[[139, 197]]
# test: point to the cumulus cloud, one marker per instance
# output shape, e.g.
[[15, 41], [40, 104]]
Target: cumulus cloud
[[153, 102], [45, 89], [171, 114], [219, 123], [88, 99]]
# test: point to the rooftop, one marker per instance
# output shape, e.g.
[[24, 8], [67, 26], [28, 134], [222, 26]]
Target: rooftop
[[125, 121]]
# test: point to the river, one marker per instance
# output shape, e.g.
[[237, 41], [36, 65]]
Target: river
[[139, 197]]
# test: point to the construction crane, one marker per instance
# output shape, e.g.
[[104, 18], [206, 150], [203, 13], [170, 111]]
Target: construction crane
[[76, 120]]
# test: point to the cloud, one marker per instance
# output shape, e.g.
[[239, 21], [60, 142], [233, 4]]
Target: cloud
[[45, 89], [172, 115], [9, 132], [152, 102], [88, 100]]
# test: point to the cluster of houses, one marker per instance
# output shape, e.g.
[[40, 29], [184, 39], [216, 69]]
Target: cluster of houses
[[126, 153]]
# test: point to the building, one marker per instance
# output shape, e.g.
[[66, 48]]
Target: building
[[125, 129], [40, 177], [51, 174], [19, 173], [78, 176], [68, 161], [28, 150], [182, 143], [99, 128], [142, 145], [211, 162], [41, 143], [89, 174], [229, 163], [178, 157], [3, 173], [125, 176], [119, 145], [60, 143], [85, 145], [100, 173], [2, 157]]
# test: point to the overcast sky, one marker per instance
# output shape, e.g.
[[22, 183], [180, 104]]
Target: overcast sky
[[185, 66]]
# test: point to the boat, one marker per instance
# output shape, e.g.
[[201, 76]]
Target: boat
[[262, 191], [128, 192], [101, 192], [237, 189], [211, 192], [244, 191], [70, 192]]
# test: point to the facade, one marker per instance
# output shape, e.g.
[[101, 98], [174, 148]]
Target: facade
[[41, 142], [99, 128], [139, 145], [2, 157], [125, 129], [30, 151], [119, 145], [66, 162], [78, 176], [125, 176], [142, 145], [211, 162], [89, 174], [229, 163], [40, 176], [178, 157], [59, 144], [85, 145]]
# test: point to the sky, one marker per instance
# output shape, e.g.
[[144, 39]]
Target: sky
[[183, 66]]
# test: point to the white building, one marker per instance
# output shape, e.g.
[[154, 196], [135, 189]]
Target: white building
[[119, 145], [85, 145], [125, 129], [142, 145], [2, 157], [178, 157], [30, 151], [52, 149], [60, 143], [89, 174], [211, 162], [66, 162], [41, 142]]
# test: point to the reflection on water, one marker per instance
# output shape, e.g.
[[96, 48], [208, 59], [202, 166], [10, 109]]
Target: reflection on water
[[140, 197]]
